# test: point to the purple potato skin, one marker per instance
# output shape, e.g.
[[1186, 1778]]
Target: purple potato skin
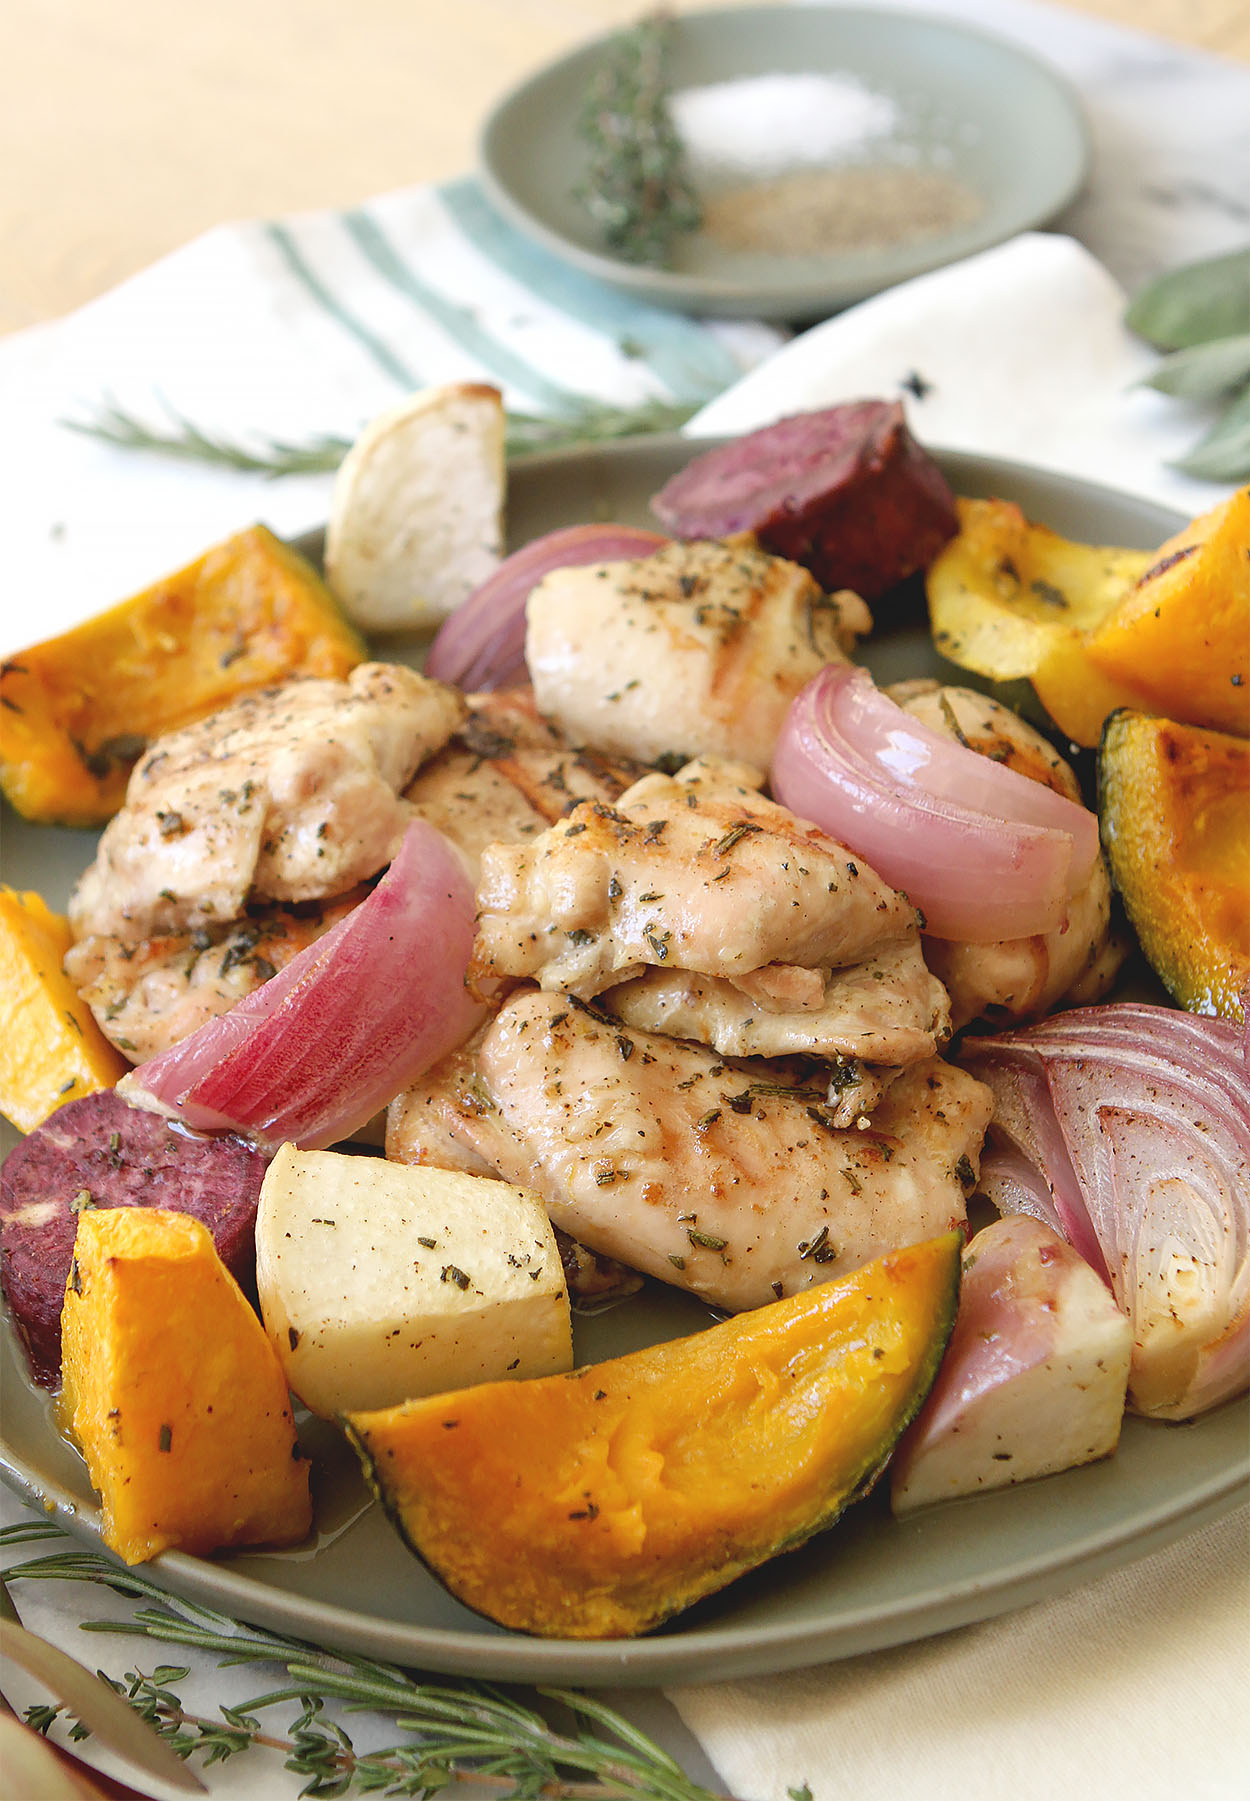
[[122, 1156], [847, 492]]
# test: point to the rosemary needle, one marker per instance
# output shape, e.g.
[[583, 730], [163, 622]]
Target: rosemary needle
[[187, 442], [589, 422]]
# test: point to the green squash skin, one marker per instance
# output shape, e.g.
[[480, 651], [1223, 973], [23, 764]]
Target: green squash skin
[[874, 1462]]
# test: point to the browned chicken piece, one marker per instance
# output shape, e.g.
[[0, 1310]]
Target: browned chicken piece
[[696, 650], [1019, 978], [288, 794], [507, 773], [593, 1281], [433, 1123], [695, 872], [149, 995], [887, 1009], [446, 1119], [726, 1179]]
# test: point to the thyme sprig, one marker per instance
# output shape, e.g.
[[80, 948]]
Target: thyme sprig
[[586, 422], [636, 186], [472, 1732]]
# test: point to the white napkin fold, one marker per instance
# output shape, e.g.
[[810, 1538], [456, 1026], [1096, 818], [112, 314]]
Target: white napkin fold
[[1137, 1685], [1020, 352]]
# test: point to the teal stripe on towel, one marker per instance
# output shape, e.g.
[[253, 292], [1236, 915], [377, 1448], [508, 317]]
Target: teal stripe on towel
[[381, 352], [691, 362], [459, 322]]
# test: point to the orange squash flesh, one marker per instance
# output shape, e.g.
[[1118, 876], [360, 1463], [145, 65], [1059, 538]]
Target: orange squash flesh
[[76, 711], [595, 1505], [51, 1050], [1174, 801], [174, 1392], [1182, 634]]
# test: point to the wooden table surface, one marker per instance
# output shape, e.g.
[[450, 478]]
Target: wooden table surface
[[126, 130]]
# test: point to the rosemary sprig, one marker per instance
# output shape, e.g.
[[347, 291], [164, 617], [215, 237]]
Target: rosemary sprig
[[588, 422], [636, 187], [469, 1733], [187, 443]]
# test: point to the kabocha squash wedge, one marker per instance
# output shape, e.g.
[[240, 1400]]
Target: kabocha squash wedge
[[51, 1049], [76, 711], [597, 1504], [1174, 801], [1182, 633], [174, 1392]]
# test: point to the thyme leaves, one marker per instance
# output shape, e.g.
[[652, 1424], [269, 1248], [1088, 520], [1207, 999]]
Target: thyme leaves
[[450, 1734], [636, 186]]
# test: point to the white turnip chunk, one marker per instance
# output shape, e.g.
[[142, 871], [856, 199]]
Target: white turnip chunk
[[380, 1281], [1034, 1378]]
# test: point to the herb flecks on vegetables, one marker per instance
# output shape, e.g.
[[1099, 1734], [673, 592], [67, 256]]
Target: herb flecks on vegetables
[[461, 1734], [636, 187]]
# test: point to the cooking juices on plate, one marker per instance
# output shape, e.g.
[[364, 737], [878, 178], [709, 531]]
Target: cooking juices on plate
[[649, 919]]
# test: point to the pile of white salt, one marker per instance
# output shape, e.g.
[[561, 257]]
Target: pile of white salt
[[763, 125]]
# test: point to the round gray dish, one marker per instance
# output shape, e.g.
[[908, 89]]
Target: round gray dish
[[969, 106], [870, 1582]]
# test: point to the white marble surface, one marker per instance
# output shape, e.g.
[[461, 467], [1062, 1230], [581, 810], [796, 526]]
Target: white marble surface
[[1170, 181], [1170, 174]]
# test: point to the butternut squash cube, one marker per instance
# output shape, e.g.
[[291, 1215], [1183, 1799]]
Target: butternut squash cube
[[174, 1392], [51, 1050], [78, 710], [596, 1504], [1181, 635]]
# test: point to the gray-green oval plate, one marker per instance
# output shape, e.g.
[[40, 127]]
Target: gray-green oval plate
[[971, 105], [870, 1581]]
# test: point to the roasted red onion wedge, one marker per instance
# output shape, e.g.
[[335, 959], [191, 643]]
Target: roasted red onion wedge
[[985, 853], [353, 1019], [482, 644], [1140, 1116]]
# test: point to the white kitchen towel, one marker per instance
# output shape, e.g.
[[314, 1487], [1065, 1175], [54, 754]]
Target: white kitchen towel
[[1137, 1685], [293, 330]]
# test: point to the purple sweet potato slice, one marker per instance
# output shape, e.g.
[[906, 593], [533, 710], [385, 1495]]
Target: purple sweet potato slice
[[847, 492], [101, 1152]]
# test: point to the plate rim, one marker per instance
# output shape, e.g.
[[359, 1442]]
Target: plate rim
[[704, 1653], [812, 292], [717, 1651]]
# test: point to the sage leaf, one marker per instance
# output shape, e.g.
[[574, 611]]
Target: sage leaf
[[1204, 371], [1224, 454], [1192, 305]]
